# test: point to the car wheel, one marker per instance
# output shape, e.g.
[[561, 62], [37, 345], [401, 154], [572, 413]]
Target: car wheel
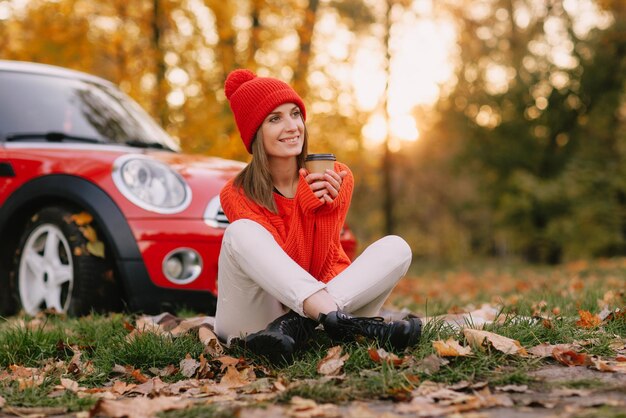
[[58, 268]]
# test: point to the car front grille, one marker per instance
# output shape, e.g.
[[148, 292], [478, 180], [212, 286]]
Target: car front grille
[[214, 215]]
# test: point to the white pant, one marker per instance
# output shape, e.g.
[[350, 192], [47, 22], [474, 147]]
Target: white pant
[[257, 280]]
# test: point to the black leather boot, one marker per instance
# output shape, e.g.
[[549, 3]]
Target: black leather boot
[[400, 334], [282, 337]]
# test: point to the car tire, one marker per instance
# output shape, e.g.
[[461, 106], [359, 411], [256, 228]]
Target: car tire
[[60, 264]]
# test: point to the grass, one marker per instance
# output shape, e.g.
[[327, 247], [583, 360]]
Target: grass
[[555, 294]]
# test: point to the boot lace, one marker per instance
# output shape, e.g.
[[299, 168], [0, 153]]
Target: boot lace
[[374, 327], [298, 328]]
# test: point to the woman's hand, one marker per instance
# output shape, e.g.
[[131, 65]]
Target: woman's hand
[[325, 186]]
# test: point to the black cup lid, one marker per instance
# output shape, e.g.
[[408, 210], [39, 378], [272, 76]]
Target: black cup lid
[[320, 157]]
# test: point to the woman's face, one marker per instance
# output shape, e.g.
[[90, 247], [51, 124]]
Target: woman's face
[[283, 131]]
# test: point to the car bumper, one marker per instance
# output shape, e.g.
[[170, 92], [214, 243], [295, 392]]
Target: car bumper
[[156, 238]]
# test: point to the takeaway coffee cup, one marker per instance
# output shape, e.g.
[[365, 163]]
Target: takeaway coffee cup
[[319, 163]]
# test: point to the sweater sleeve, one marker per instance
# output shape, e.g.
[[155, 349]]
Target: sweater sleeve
[[342, 201], [237, 206]]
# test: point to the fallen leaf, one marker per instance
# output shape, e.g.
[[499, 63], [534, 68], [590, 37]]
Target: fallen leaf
[[168, 370], [588, 320], [307, 408], [151, 387], [120, 387], [382, 356], [209, 340], [570, 357], [506, 345], [227, 361], [545, 349], [82, 218], [96, 248], [235, 379], [189, 324], [333, 362], [89, 233], [138, 376], [431, 364], [451, 348], [138, 407], [188, 366], [2, 401], [609, 366], [69, 384]]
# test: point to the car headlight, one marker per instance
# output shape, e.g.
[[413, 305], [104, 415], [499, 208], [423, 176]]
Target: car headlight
[[150, 184]]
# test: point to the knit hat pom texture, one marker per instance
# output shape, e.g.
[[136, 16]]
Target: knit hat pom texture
[[236, 79]]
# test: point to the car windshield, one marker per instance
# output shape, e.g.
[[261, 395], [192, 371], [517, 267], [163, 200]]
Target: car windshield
[[37, 107]]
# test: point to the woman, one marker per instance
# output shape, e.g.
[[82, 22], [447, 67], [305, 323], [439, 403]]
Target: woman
[[282, 270]]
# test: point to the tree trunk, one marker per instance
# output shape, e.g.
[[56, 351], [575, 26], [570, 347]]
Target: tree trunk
[[387, 163], [305, 33], [227, 37], [255, 32], [159, 64]]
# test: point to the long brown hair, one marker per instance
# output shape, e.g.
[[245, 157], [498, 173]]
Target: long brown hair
[[256, 180]]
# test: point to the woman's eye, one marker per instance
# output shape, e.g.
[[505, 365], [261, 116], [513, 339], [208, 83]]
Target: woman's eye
[[295, 113], [274, 119]]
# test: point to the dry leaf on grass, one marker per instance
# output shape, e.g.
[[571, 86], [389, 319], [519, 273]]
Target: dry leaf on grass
[[70, 385], [588, 320], [189, 324], [235, 379], [333, 362], [307, 408], [120, 387], [26, 377], [227, 361], [545, 349], [382, 356], [609, 366], [211, 344], [151, 387], [436, 400], [570, 357], [130, 371], [506, 345], [188, 366], [138, 407], [451, 348], [431, 364], [2, 402]]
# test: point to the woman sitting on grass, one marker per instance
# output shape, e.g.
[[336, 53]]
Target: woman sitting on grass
[[282, 270]]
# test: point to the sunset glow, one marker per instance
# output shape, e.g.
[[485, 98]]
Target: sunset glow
[[420, 62]]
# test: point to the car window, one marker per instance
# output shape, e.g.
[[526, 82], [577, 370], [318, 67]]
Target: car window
[[40, 104]]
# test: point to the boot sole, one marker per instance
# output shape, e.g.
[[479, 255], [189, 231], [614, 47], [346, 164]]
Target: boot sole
[[274, 346]]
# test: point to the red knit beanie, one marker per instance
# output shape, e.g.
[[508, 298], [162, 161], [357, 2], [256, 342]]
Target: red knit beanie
[[252, 98]]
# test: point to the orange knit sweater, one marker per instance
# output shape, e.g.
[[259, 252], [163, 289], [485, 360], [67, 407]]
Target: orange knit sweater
[[305, 228]]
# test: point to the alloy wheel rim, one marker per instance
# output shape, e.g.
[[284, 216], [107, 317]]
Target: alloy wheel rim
[[46, 274]]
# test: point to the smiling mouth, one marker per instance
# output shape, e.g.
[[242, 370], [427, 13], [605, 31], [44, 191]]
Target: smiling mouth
[[290, 140]]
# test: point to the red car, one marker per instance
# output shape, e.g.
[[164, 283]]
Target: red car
[[98, 208]]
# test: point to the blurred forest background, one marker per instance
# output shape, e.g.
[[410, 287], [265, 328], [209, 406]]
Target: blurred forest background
[[473, 127]]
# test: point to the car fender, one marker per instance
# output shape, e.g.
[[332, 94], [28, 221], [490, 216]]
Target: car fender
[[83, 193], [141, 294], [62, 188]]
